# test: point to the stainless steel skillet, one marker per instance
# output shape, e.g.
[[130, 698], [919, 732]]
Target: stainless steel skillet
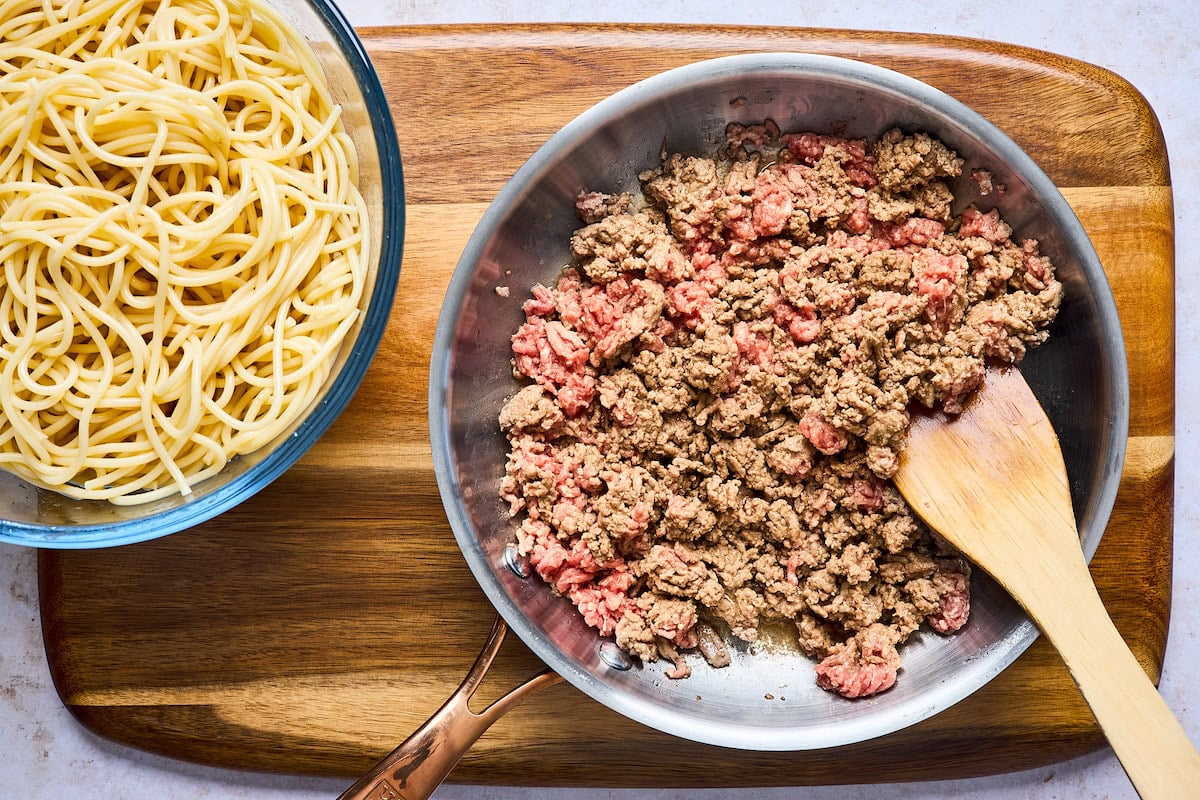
[[1079, 375]]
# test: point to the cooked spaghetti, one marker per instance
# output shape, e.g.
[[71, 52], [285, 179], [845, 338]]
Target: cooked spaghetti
[[182, 240]]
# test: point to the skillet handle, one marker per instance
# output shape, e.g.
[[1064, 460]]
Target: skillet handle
[[422, 761]]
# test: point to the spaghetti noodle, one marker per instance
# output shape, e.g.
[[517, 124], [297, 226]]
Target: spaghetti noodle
[[182, 240]]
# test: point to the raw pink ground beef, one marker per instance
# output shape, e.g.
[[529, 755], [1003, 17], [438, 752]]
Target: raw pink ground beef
[[719, 385]]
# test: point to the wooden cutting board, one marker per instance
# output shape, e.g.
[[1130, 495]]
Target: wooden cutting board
[[318, 624]]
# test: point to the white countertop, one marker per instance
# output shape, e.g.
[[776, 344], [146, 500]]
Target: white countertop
[[46, 754]]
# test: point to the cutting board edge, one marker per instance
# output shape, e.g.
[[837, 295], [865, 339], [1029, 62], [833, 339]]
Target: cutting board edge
[[111, 723], [488, 34]]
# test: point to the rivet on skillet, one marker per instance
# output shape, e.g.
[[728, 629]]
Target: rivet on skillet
[[517, 563], [614, 656]]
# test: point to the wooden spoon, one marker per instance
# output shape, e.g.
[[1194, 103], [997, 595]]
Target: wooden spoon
[[992, 482]]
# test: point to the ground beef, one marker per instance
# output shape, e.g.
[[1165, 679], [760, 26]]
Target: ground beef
[[984, 180], [719, 385]]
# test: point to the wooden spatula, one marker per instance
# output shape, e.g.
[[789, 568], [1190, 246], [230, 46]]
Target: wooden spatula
[[992, 482]]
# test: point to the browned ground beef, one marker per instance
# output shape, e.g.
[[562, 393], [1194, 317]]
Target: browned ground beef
[[720, 383]]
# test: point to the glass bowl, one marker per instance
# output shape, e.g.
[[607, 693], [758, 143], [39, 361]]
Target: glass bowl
[[30, 515]]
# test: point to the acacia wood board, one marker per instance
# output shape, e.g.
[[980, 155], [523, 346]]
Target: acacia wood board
[[316, 625]]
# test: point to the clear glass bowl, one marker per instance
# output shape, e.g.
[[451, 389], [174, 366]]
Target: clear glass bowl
[[43, 518]]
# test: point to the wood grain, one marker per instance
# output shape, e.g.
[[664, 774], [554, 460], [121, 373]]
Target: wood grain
[[993, 483], [313, 627]]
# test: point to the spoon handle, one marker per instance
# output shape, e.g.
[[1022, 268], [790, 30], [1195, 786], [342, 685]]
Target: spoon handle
[[1145, 735]]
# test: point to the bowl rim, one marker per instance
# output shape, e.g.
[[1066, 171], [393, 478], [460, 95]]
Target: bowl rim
[[677, 721], [345, 383]]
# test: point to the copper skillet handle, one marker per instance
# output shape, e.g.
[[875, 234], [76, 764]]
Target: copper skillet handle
[[418, 766]]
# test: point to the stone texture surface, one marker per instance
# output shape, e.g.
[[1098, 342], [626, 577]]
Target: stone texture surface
[[1152, 44]]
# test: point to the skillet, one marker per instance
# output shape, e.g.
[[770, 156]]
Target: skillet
[[766, 700]]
